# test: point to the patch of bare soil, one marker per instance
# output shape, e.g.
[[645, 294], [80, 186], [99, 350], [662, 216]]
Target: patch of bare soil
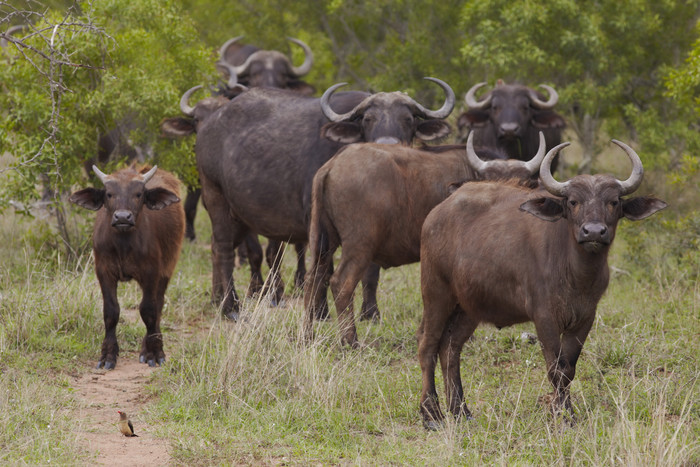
[[102, 393]]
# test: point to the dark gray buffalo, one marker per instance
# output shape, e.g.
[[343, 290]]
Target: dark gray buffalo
[[504, 254], [267, 68], [372, 200], [510, 116], [138, 234], [257, 157]]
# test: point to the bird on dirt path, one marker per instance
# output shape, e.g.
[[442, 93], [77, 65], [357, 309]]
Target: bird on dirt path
[[125, 425]]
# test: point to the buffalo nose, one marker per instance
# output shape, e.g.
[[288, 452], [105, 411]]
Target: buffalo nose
[[387, 140], [594, 232], [510, 128], [122, 216]]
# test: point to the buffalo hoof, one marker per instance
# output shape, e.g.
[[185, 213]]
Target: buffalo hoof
[[433, 425], [142, 359], [151, 363], [322, 313], [106, 365], [161, 360], [232, 316], [369, 313]]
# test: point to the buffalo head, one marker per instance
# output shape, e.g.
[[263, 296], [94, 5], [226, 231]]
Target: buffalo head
[[123, 196], [267, 68], [592, 204], [387, 113]]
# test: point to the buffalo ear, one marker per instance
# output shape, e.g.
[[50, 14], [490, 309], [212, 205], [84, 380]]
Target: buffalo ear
[[342, 132], [159, 198], [177, 127], [472, 119], [548, 119], [548, 209], [429, 130], [641, 207], [89, 198]]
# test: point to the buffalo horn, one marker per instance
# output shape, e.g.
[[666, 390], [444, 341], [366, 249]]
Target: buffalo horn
[[184, 106], [635, 179], [540, 104], [232, 78], [471, 101], [100, 174], [148, 175], [473, 159], [326, 108], [446, 108], [533, 165], [227, 44], [551, 185], [305, 67]]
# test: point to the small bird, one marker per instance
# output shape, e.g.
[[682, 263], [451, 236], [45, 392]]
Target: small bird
[[125, 425]]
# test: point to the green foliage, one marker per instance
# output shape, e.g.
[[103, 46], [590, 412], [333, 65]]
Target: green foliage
[[129, 62]]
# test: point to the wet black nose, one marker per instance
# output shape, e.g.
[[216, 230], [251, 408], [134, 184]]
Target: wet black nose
[[594, 232], [510, 129], [122, 216]]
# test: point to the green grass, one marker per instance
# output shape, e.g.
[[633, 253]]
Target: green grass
[[253, 393]]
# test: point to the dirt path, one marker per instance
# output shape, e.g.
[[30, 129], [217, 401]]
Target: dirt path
[[102, 393]]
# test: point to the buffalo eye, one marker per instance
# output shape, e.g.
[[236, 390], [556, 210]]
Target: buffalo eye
[[109, 195], [614, 203], [573, 203]]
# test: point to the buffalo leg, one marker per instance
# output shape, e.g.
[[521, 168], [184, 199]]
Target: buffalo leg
[[151, 309], [190, 206], [457, 330], [369, 293], [316, 288], [273, 255], [255, 257], [561, 357], [343, 284], [438, 306], [301, 265], [226, 235], [110, 312]]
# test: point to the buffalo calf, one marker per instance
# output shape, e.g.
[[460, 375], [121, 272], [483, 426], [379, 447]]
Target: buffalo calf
[[130, 242], [504, 254]]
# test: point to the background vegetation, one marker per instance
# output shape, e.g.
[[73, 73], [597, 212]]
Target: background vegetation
[[250, 393]]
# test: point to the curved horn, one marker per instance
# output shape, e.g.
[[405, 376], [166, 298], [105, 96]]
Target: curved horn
[[305, 67], [635, 179], [232, 77], [471, 101], [540, 104], [148, 175], [184, 106], [554, 187], [326, 108], [100, 174], [227, 44], [446, 108], [475, 162], [533, 165]]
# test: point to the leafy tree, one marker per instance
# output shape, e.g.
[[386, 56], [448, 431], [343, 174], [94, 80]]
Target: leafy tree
[[75, 74]]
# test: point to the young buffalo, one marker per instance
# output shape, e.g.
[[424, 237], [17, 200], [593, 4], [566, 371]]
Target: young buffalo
[[130, 242], [504, 254]]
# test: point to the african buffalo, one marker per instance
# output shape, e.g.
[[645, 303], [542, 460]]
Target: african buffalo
[[510, 116], [372, 199], [267, 68], [130, 242], [505, 254], [257, 157]]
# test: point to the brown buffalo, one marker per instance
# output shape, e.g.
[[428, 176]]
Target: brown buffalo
[[504, 254], [130, 242], [372, 199]]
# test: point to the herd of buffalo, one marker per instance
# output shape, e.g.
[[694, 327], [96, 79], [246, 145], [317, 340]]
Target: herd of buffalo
[[499, 239]]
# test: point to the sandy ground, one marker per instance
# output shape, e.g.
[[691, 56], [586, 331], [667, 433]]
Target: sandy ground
[[101, 394]]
